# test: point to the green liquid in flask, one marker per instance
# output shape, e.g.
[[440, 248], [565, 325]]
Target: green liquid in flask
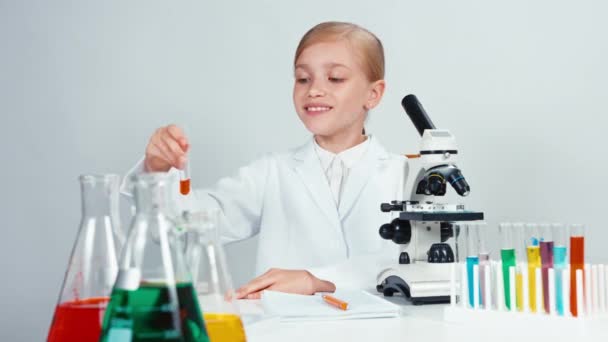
[[147, 314]]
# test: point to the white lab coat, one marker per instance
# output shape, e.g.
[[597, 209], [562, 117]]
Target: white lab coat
[[286, 199]]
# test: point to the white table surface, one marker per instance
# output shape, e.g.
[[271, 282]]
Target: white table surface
[[415, 323]]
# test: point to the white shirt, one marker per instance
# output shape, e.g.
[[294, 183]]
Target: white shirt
[[284, 199], [336, 166]]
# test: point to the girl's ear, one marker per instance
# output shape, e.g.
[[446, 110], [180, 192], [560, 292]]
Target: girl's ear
[[375, 94]]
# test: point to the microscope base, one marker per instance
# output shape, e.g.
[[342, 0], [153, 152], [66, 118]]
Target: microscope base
[[422, 282]]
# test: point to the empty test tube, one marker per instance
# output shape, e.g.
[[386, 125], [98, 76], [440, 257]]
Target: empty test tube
[[484, 260]]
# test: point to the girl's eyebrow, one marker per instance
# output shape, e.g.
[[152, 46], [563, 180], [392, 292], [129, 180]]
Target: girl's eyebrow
[[327, 66]]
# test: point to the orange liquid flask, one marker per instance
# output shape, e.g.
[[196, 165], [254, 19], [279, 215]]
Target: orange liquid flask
[[93, 265]]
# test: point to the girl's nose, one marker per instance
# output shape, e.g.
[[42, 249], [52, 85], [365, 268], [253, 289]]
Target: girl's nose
[[316, 90]]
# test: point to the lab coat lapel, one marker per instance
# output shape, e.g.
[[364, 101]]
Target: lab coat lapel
[[360, 174], [308, 167]]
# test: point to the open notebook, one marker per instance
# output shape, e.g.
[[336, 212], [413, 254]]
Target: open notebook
[[293, 307]]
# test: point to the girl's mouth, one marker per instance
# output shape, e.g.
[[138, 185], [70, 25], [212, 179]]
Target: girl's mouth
[[317, 109]]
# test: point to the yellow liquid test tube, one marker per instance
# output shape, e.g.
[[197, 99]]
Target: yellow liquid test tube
[[519, 285], [533, 253], [224, 327]]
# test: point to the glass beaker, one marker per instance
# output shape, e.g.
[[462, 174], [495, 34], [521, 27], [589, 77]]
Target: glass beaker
[[211, 277], [153, 298], [92, 267]]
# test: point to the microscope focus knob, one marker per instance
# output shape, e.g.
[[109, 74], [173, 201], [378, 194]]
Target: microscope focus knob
[[440, 253], [386, 231], [399, 231], [403, 231]]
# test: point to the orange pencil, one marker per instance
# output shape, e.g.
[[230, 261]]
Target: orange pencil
[[340, 304]]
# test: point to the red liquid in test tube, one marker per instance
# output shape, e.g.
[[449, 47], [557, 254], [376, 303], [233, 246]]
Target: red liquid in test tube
[[184, 182]]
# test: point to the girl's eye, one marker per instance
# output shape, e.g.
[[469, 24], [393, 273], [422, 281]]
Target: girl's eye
[[336, 79], [302, 80]]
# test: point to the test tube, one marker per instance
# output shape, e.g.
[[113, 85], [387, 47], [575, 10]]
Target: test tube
[[520, 256], [184, 181], [533, 255], [577, 262], [460, 249], [560, 262], [507, 255], [472, 257], [546, 259], [484, 260]]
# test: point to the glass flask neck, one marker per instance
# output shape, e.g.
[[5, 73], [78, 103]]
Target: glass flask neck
[[151, 195], [99, 195]]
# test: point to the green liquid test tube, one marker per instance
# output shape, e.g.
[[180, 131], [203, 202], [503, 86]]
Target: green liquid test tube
[[507, 255]]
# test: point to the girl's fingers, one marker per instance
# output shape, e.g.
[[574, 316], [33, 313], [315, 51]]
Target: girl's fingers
[[163, 151], [178, 134], [176, 152], [257, 284], [255, 295]]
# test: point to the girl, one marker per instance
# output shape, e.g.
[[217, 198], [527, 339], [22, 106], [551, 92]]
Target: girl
[[316, 207]]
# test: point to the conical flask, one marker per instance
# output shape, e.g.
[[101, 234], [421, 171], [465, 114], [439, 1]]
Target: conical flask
[[92, 268], [153, 298], [211, 277]]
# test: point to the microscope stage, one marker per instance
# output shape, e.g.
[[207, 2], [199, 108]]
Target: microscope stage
[[441, 216]]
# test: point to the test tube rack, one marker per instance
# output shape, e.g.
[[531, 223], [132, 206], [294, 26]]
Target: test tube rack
[[493, 314]]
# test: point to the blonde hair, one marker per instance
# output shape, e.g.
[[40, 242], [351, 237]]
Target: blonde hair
[[367, 45]]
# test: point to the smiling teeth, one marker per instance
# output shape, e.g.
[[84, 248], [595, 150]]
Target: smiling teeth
[[317, 109]]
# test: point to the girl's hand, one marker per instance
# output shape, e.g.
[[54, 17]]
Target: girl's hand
[[167, 148], [290, 281]]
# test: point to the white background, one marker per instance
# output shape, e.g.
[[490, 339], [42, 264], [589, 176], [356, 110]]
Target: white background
[[83, 84]]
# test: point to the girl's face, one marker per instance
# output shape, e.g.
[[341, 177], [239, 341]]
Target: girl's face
[[331, 92]]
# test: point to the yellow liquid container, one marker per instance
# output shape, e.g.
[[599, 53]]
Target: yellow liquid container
[[519, 285], [533, 263], [224, 327]]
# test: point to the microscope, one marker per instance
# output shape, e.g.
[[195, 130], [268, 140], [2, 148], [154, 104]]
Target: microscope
[[423, 225]]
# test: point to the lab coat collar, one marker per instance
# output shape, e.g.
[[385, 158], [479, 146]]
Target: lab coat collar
[[306, 164], [307, 150]]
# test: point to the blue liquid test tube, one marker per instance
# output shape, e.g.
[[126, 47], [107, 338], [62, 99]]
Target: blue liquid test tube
[[560, 262], [472, 256]]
